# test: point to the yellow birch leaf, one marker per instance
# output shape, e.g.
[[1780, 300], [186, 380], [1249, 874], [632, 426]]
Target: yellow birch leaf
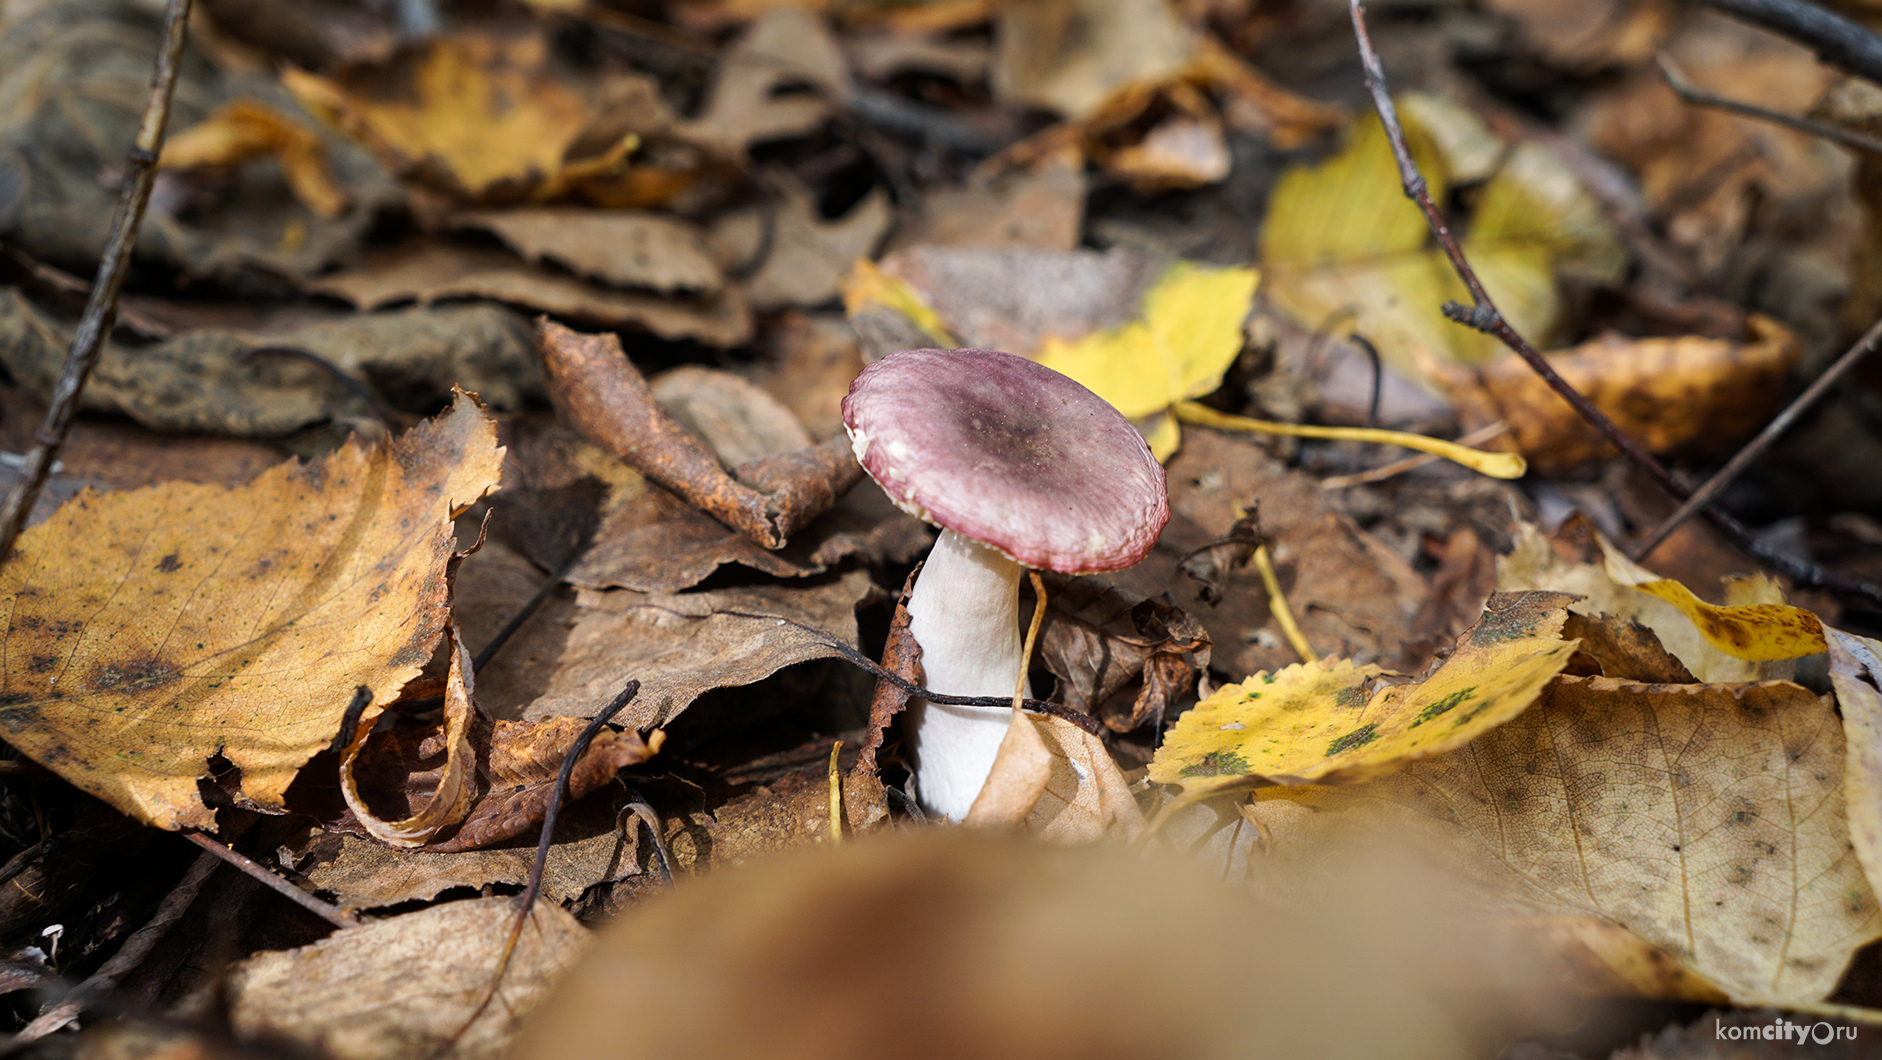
[[868, 286], [150, 630], [245, 129], [1759, 632], [1188, 334], [1317, 722]]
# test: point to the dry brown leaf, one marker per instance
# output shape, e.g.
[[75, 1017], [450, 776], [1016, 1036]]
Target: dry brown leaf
[[1119, 655], [1352, 597], [152, 629], [787, 47], [1856, 673], [402, 988], [1589, 34], [1707, 819], [793, 811], [809, 360], [623, 248], [450, 795], [1058, 782], [475, 115], [803, 258], [590, 849], [1072, 55], [678, 645], [246, 129], [1670, 395], [428, 272], [1041, 207], [200, 382], [736, 419]]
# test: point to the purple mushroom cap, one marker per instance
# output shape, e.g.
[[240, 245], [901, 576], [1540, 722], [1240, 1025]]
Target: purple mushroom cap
[[1010, 453]]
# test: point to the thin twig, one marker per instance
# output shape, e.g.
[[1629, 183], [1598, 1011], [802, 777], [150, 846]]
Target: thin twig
[[1756, 447], [332, 914], [1699, 97], [133, 952], [1484, 316], [516, 621], [849, 654], [1844, 44], [101, 309], [528, 900]]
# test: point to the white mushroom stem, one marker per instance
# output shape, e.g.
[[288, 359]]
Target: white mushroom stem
[[964, 612]]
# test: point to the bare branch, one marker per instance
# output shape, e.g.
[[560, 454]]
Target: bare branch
[[1699, 97]]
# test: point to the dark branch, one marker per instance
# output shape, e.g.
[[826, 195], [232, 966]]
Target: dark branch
[[1846, 45]]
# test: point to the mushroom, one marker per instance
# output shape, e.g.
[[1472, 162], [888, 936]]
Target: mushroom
[[1020, 467]]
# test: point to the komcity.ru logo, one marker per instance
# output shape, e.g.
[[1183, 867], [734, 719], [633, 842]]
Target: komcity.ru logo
[[1784, 1030]]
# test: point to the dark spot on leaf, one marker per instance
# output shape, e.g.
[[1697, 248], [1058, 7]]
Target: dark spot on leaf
[[1351, 698], [1359, 737], [14, 699], [1218, 764], [41, 663], [1741, 875], [136, 675], [170, 564], [1443, 705]]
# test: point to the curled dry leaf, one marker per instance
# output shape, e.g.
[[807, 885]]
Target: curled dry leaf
[[430, 272], [602, 395], [152, 629], [1856, 673], [404, 987], [1707, 819], [901, 656], [1321, 722], [1669, 395], [450, 798]]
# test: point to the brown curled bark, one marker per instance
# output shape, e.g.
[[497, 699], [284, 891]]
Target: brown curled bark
[[901, 656], [602, 395]]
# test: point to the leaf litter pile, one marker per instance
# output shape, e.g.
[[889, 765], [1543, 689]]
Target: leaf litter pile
[[458, 622]]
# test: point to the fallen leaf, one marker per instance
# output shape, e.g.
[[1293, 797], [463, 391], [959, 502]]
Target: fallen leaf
[[406, 986], [589, 850], [152, 629], [1855, 673], [678, 645], [1321, 722], [1589, 34], [801, 258], [1760, 632], [1042, 207], [806, 363], [474, 115], [428, 272], [792, 811], [246, 129], [786, 48], [1608, 589], [1669, 394], [77, 80], [1072, 55], [203, 382], [1058, 782], [1707, 819], [450, 795], [622, 248], [1119, 656], [1341, 241]]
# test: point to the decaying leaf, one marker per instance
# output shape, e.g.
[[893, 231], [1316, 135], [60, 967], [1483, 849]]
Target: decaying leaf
[[424, 974], [801, 258], [152, 629], [1058, 782], [1668, 394], [679, 645], [450, 797], [475, 115], [792, 811], [1855, 674], [1042, 207], [246, 129], [622, 248], [1372, 262], [788, 47], [429, 272], [1321, 722], [1707, 819], [1119, 656], [1071, 55], [1701, 635], [203, 382], [590, 849]]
